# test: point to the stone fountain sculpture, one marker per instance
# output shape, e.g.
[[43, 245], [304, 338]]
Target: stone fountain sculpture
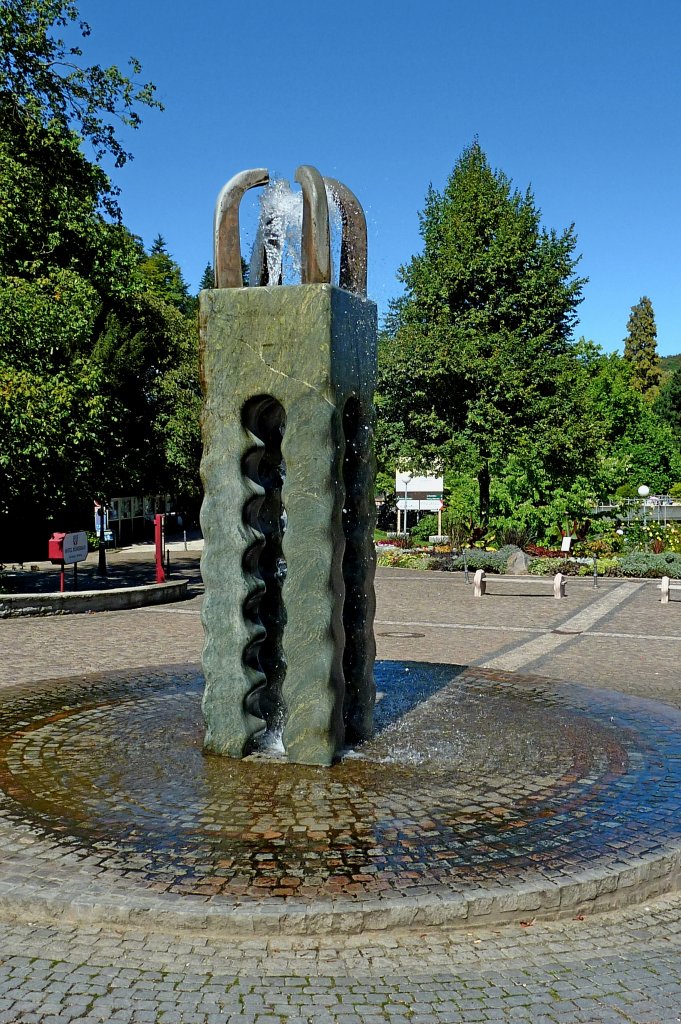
[[288, 374]]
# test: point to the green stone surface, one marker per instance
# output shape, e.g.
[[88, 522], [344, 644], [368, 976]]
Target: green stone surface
[[312, 348]]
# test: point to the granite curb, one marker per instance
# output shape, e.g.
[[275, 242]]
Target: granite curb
[[589, 892], [84, 601]]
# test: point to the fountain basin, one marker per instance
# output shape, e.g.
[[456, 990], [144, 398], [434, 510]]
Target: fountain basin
[[483, 797]]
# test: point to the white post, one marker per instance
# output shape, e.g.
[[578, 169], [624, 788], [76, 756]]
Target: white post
[[479, 583], [559, 581], [664, 590]]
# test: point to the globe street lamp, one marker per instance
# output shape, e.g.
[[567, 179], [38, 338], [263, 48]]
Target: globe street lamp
[[643, 492], [407, 478]]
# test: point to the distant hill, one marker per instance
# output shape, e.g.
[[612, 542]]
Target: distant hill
[[669, 365]]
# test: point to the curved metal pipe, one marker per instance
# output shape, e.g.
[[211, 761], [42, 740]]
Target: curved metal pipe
[[316, 245], [226, 240], [353, 254]]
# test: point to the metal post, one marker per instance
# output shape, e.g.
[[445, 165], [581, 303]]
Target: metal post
[[465, 566], [158, 537], [62, 582], [101, 567], [595, 573], [75, 575]]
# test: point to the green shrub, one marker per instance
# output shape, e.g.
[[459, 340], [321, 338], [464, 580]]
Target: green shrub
[[647, 564], [636, 563], [426, 527], [509, 534], [545, 566], [550, 566], [490, 561], [403, 560]]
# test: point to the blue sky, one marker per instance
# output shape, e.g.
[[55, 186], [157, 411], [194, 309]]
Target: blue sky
[[580, 100]]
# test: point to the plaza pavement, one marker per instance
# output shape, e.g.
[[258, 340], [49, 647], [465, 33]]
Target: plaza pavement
[[617, 967]]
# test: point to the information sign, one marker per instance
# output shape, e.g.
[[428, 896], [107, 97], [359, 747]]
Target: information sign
[[75, 547]]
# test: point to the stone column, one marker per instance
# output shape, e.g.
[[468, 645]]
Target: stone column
[[288, 375]]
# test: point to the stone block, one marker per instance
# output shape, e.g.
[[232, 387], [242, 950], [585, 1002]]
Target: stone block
[[288, 515]]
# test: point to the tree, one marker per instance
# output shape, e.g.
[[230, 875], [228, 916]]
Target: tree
[[637, 445], [477, 362], [208, 277], [668, 404], [640, 348], [163, 277], [93, 331], [44, 81]]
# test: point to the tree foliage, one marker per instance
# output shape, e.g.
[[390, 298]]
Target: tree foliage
[[668, 403], [640, 348], [477, 361], [98, 367], [162, 277], [44, 81]]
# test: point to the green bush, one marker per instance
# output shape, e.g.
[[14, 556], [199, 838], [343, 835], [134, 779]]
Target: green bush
[[403, 560], [490, 561], [637, 563], [647, 564], [426, 527], [550, 566]]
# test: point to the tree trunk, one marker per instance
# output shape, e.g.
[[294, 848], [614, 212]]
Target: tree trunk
[[483, 484]]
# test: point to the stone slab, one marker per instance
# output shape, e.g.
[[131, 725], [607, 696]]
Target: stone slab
[[83, 601]]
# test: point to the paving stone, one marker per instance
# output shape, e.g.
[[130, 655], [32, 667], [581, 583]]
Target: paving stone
[[616, 967]]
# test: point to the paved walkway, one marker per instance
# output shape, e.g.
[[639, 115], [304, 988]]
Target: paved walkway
[[621, 967]]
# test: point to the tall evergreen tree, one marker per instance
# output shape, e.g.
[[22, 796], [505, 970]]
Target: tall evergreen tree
[[163, 277], [640, 348], [207, 278], [477, 361]]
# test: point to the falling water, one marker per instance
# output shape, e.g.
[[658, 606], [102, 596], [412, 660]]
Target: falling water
[[279, 233]]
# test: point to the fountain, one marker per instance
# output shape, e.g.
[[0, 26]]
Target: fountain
[[288, 376], [472, 796]]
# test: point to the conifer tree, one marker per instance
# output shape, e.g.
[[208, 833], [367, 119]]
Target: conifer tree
[[476, 362], [207, 278], [640, 348]]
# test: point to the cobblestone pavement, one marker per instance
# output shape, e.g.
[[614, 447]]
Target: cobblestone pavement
[[611, 969], [616, 967]]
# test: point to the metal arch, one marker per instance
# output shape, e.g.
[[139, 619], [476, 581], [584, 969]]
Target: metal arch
[[316, 244], [353, 255], [226, 240]]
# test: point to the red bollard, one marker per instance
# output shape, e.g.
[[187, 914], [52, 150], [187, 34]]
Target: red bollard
[[158, 537]]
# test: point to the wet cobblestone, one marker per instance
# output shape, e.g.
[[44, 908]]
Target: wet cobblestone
[[501, 791]]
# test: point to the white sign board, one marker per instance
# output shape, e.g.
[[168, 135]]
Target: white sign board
[[566, 544], [427, 484], [75, 547], [420, 504]]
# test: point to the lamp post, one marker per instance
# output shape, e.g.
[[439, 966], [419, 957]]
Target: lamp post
[[643, 492], [101, 568], [407, 478]]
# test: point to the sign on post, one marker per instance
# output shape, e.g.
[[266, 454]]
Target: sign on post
[[75, 547]]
